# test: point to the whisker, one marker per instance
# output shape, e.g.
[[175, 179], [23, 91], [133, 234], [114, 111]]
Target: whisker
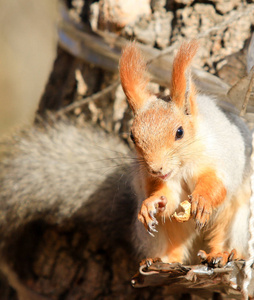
[[106, 167], [101, 160], [101, 147]]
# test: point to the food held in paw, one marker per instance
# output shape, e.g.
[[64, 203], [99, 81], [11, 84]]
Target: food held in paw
[[183, 216]]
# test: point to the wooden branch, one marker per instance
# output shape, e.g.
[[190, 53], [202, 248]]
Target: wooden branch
[[86, 100], [198, 279]]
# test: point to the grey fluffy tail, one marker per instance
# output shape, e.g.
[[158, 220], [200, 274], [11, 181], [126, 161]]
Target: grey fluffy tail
[[60, 172]]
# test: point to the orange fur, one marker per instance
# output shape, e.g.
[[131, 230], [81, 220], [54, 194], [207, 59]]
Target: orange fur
[[132, 74], [180, 75], [208, 194], [175, 251], [155, 187], [176, 234], [210, 187], [217, 233], [160, 152]]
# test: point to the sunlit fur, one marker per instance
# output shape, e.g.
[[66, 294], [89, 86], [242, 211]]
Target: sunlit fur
[[181, 81], [208, 163], [132, 73]]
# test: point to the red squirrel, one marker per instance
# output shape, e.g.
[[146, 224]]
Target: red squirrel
[[187, 147]]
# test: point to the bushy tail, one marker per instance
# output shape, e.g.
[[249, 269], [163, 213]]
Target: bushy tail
[[54, 172]]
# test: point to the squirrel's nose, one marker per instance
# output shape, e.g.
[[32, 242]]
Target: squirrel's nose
[[157, 171]]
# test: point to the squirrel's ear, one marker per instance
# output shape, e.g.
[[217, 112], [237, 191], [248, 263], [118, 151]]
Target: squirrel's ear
[[134, 81], [182, 90]]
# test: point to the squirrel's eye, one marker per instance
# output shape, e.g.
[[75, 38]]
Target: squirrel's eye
[[179, 133], [132, 138]]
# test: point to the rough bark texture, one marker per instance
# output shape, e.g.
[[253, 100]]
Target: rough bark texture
[[79, 260]]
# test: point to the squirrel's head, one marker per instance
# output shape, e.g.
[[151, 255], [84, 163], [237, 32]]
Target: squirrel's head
[[163, 128]]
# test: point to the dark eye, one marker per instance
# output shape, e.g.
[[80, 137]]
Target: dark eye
[[179, 133], [132, 138]]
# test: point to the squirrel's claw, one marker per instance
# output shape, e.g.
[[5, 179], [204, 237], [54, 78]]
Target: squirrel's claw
[[149, 261], [216, 259], [201, 210], [149, 224], [149, 209], [152, 215], [152, 227]]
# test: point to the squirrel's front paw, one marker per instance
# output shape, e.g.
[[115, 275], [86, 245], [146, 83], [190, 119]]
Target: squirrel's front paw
[[201, 210], [150, 207]]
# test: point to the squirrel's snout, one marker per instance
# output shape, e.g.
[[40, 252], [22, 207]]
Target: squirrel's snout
[[159, 172], [155, 171], [157, 167]]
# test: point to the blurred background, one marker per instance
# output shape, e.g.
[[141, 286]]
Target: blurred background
[[28, 41]]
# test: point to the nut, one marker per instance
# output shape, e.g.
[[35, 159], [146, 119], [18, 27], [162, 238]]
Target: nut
[[186, 215]]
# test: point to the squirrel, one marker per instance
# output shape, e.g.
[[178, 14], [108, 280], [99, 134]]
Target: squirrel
[[187, 147]]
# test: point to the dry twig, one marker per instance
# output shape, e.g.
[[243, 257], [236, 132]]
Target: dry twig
[[86, 100]]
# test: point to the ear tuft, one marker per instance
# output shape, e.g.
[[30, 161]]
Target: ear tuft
[[181, 88], [132, 68]]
